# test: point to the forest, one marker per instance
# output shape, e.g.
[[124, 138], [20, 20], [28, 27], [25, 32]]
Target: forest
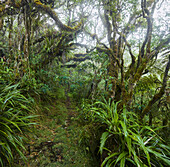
[[84, 83]]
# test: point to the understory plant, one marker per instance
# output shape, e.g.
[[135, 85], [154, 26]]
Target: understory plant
[[14, 122], [126, 142]]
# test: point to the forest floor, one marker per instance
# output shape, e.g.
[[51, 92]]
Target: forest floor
[[54, 141]]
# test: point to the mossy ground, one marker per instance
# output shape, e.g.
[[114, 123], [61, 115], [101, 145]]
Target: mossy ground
[[54, 141]]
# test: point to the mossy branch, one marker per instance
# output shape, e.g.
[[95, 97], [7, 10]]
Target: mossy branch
[[147, 15], [54, 16], [129, 47], [159, 94], [53, 36], [163, 43]]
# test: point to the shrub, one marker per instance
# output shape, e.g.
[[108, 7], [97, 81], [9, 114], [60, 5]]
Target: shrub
[[14, 121], [126, 141]]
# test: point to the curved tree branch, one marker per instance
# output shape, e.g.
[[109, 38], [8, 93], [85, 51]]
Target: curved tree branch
[[55, 17], [159, 94], [37, 3]]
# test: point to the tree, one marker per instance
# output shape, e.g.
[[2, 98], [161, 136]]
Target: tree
[[120, 21], [29, 15], [122, 40], [119, 32]]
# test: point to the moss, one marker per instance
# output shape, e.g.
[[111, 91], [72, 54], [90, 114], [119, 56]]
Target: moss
[[55, 17], [38, 2], [1, 8], [140, 71], [18, 4]]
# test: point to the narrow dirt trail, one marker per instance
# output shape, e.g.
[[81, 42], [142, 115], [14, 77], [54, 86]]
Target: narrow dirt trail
[[54, 141]]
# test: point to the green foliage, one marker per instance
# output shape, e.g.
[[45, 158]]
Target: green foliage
[[15, 118], [6, 74], [33, 49], [58, 127], [148, 82], [14, 121], [88, 79], [126, 140], [41, 84]]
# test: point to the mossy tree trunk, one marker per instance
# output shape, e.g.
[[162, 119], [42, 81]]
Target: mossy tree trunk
[[124, 81]]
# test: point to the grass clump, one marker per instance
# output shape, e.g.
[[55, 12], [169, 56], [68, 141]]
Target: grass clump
[[14, 122], [124, 140]]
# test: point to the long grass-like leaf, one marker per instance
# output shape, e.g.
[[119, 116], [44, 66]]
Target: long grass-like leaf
[[7, 120], [122, 162], [121, 156], [3, 133], [6, 126], [107, 158], [124, 128], [164, 158], [13, 120], [129, 144], [138, 144], [103, 139]]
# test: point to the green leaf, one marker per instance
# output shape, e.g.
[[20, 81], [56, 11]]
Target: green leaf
[[2, 132], [103, 139], [107, 158], [130, 160], [9, 129], [122, 162], [122, 155], [124, 128], [129, 145], [161, 156], [136, 158], [7, 120], [142, 145]]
